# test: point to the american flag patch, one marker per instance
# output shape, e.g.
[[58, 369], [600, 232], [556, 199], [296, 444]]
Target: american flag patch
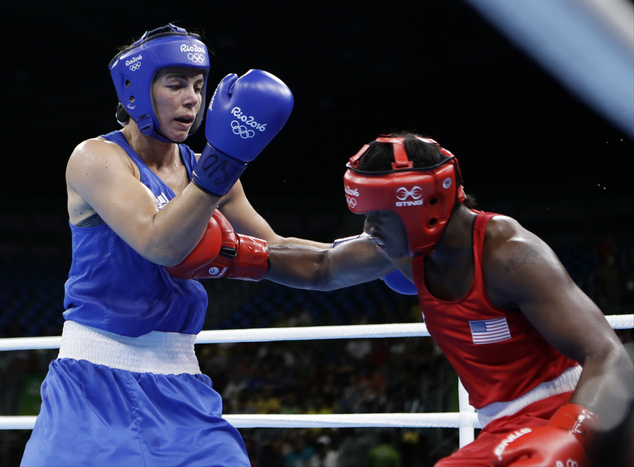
[[489, 331]]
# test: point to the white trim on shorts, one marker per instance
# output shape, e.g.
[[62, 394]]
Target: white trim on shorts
[[565, 382], [157, 352]]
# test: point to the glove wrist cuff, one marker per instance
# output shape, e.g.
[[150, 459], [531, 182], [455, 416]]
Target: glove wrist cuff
[[216, 172], [252, 263]]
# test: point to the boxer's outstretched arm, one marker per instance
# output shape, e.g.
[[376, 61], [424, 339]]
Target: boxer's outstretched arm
[[307, 267]]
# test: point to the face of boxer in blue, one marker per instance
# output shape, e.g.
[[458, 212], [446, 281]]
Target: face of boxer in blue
[[422, 198], [133, 71]]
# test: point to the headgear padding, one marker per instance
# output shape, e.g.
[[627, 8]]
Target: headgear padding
[[423, 198], [133, 71]]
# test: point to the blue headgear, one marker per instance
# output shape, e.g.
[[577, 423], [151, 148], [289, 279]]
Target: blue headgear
[[133, 71]]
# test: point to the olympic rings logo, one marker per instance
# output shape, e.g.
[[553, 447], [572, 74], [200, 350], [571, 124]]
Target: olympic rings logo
[[134, 63], [569, 463], [241, 130], [196, 58]]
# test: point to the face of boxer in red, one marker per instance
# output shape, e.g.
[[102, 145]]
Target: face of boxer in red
[[422, 198]]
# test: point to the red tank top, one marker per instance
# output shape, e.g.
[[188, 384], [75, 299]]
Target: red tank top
[[498, 354]]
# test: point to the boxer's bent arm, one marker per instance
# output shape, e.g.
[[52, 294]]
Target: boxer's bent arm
[[101, 177], [307, 267], [521, 271]]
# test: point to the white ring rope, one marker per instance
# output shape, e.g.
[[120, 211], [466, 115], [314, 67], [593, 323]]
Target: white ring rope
[[466, 419], [376, 420], [367, 331]]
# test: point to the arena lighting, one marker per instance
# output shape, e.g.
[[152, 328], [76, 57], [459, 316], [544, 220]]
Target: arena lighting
[[588, 45]]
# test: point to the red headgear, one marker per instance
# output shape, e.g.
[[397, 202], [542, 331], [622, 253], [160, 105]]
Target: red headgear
[[422, 197]]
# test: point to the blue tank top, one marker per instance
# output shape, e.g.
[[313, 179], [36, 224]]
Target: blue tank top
[[113, 288]]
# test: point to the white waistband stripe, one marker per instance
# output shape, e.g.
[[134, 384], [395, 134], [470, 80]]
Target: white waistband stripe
[[565, 382], [156, 352]]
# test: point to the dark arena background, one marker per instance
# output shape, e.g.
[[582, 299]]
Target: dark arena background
[[534, 142]]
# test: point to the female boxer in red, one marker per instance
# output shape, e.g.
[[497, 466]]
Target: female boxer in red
[[542, 366]]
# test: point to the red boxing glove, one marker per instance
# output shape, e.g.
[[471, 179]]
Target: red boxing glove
[[241, 256], [563, 442], [224, 253], [197, 263]]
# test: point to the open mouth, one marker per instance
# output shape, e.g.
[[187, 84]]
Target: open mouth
[[186, 120]]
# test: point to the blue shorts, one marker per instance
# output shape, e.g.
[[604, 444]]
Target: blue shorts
[[96, 415]]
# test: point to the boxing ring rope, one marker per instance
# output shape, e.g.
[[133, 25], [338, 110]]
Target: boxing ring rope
[[465, 420]]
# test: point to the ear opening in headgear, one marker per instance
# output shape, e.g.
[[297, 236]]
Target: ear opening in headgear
[[121, 115]]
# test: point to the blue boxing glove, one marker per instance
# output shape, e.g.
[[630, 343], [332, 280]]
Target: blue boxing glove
[[244, 115], [399, 283]]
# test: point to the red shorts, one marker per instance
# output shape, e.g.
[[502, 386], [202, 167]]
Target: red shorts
[[477, 454]]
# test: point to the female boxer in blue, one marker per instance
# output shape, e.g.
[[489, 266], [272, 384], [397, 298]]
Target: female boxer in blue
[[126, 388]]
